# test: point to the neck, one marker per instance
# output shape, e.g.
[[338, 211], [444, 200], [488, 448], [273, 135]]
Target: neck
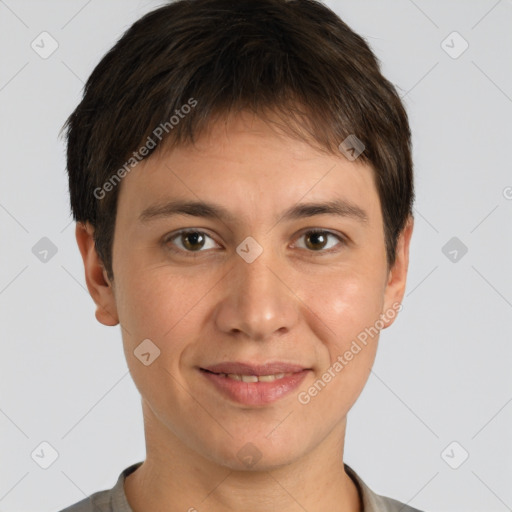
[[174, 477]]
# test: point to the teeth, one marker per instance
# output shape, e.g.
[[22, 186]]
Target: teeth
[[247, 378], [255, 378], [271, 378]]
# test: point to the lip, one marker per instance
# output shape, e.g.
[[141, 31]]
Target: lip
[[255, 369], [255, 393]]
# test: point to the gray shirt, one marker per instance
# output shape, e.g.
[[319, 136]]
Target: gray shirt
[[114, 500]]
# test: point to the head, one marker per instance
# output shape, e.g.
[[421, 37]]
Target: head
[[250, 108]]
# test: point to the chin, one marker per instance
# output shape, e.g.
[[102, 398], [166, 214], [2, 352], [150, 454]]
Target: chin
[[253, 454]]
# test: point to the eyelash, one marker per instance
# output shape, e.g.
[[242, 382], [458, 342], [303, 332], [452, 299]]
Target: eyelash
[[173, 236]]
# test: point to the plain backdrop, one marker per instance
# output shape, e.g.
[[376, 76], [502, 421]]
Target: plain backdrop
[[432, 427]]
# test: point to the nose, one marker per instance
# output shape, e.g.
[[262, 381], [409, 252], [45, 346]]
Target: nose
[[258, 302]]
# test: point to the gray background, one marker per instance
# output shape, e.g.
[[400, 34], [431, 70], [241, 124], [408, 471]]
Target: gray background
[[442, 372]]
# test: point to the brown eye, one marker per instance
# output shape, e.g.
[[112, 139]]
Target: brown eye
[[318, 240], [190, 241], [193, 240]]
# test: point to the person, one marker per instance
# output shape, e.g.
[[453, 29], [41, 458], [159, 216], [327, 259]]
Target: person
[[241, 178]]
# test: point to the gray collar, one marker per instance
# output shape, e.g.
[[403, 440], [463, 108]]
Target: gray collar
[[372, 502]]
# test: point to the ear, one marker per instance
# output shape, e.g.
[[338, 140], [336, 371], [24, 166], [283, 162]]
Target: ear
[[100, 288], [397, 276]]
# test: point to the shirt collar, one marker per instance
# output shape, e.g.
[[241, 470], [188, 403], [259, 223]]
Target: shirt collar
[[371, 501]]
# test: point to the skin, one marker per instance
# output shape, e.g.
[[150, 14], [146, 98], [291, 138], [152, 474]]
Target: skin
[[294, 303]]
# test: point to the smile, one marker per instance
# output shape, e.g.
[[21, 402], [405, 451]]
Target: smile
[[255, 378], [254, 390]]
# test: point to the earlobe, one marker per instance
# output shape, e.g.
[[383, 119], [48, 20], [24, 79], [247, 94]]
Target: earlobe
[[96, 278], [397, 276]]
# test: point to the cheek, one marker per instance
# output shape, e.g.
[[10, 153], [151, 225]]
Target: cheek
[[165, 309], [346, 302], [156, 306], [172, 309], [350, 308]]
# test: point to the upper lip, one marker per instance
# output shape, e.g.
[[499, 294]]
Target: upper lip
[[254, 369]]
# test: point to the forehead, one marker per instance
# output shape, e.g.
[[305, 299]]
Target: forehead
[[252, 167]]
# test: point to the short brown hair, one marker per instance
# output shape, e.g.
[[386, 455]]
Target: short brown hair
[[296, 58]]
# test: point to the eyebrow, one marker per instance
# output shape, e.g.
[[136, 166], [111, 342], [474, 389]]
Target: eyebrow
[[339, 207]]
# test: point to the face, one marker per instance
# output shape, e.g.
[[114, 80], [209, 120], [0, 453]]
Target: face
[[258, 278]]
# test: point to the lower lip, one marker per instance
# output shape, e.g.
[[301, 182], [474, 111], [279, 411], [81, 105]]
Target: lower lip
[[255, 393]]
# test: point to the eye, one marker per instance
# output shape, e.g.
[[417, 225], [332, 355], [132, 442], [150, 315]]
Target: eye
[[194, 241], [189, 241], [316, 240]]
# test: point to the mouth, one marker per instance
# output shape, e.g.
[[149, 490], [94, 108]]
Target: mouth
[[236, 368], [252, 378], [255, 384]]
